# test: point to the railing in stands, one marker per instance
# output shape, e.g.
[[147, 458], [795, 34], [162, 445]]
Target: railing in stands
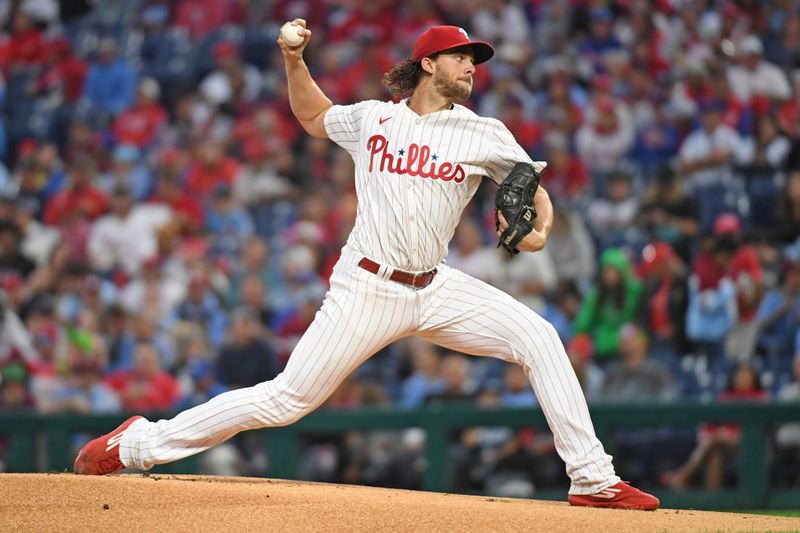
[[42, 443]]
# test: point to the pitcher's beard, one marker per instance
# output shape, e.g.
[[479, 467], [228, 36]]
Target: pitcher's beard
[[453, 91]]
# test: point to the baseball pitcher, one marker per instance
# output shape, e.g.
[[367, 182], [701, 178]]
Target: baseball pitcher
[[418, 162]]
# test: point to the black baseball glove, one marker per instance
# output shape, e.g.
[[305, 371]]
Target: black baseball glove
[[515, 200]]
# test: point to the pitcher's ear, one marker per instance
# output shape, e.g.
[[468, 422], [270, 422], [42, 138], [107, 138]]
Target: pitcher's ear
[[427, 65]]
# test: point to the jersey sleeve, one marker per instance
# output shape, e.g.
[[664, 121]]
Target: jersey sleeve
[[505, 153], [343, 123]]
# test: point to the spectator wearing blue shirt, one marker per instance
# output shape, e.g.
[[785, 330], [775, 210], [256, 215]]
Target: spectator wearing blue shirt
[[202, 307], [657, 141], [3, 136], [797, 344], [562, 309], [779, 317], [229, 223], [111, 81], [204, 384], [517, 390], [129, 169], [601, 37], [425, 380], [81, 390]]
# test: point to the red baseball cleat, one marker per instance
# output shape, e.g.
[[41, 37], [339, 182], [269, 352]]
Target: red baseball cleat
[[619, 496], [101, 455]]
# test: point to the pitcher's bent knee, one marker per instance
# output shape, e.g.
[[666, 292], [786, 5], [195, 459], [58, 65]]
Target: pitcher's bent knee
[[279, 405], [542, 341]]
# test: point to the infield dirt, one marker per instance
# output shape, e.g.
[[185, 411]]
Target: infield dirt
[[134, 502]]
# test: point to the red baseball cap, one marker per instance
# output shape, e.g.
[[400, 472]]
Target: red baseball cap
[[581, 345], [225, 49], [442, 38], [656, 254], [254, 148], [727, 223]]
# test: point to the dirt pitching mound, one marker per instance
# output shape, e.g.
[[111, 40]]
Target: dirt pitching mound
[[65, 502]]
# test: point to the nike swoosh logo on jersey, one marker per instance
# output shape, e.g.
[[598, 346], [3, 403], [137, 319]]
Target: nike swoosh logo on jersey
[[113, 442], [382, 120], [607, 494]]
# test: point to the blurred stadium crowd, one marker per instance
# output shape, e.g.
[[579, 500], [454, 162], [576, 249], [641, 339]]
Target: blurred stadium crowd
[[167, 230]]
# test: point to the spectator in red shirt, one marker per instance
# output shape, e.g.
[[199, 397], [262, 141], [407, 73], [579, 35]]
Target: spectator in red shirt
[[146, 387], [290, 330], [370, 19], [211, 167], [63, 71], [666, 298], [373, 60], [329, 75], [25, 47], [744, 268], [267, 127], [139, 124], [80, 196], [173, 162], [186, 208], [201, 17], [188, 212], [527, 131], [565, 174], [415, 17], [559, 97], [648, 41], [314, 12]]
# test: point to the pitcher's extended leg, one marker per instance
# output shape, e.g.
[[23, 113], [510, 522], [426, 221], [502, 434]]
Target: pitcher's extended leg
[[470, 316], [351, 325]]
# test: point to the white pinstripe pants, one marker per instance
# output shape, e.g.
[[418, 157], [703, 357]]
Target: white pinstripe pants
[[363, 313]]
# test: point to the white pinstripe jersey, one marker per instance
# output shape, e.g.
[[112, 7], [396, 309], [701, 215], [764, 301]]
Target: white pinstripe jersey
[[415, 174]]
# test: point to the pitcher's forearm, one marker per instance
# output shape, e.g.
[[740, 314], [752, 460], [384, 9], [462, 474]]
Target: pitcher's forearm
[[306, 99], [544, 211]]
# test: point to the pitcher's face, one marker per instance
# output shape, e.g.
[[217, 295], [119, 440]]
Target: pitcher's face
[[452, 76]]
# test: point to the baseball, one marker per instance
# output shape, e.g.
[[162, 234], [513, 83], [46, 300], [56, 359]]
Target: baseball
[[291, 34]]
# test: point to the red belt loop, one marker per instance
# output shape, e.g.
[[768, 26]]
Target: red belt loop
[[418, 281]]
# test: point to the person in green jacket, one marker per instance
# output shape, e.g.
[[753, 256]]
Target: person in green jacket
[[610, 304]]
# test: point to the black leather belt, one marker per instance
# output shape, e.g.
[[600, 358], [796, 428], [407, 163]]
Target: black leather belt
[[418, 281]]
